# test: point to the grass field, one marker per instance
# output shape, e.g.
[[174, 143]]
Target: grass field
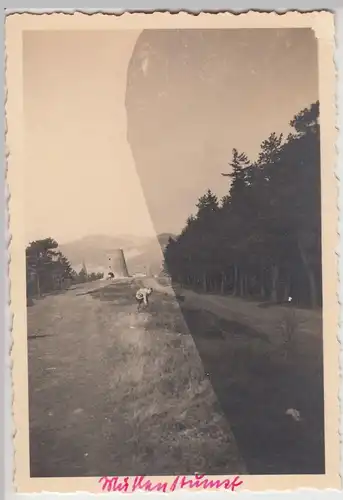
[[174, 389], [114, 392]]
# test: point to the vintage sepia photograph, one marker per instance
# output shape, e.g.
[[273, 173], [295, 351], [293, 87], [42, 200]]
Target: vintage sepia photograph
[[173, 221]]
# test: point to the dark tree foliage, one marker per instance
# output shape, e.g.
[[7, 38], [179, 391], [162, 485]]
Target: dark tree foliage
[[83, 276], [47, 269], [263, 239]]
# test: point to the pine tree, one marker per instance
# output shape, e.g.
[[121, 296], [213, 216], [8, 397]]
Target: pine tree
[[264, 237], [46, 266]]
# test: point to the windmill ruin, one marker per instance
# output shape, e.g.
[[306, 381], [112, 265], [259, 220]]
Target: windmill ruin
[[117, 267]]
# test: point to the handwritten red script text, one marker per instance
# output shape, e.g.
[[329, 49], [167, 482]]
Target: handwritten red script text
[[141, 483]]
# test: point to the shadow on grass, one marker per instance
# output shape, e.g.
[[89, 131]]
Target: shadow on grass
[[117, 293], [33, 337], [267, 305], [32, 299], [256, 384]]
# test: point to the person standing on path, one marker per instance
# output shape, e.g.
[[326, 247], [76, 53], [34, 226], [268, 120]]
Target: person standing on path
[[142, 297]]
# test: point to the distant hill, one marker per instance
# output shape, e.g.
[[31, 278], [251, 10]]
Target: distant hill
[[150, 256], [141, 254]]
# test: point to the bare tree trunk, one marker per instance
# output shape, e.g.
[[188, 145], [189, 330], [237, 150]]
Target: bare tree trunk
[[313, 288], [241, 284], [235, 280], [204, 283], [38, 285], [275, 277], [246, 284], [286, 289], [310, 275], [222, 284], [262, 283]]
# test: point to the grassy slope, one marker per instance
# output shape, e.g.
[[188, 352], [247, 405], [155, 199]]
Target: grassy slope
[[116, 392]]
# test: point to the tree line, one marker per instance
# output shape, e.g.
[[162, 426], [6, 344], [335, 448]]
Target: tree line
[[262, 239], [48, 270]]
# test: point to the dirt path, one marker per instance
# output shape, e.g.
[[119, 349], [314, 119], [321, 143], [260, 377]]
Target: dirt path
[[116, 392], [264, 319]]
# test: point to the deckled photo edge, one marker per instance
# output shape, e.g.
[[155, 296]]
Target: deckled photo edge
[[322, 23]]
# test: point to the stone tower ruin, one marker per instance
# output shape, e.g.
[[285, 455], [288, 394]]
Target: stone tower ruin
[[117, 264]]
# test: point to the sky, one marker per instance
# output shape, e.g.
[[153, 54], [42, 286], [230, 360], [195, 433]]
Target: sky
[[124, 130]]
